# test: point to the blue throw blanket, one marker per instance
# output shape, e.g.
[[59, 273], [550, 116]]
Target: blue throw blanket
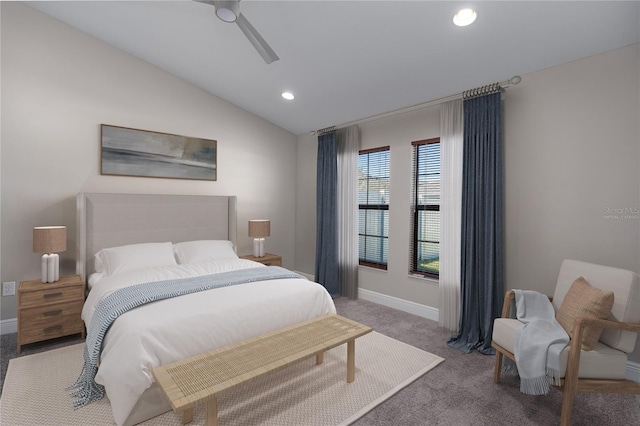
[[538, 343], [125, 299]]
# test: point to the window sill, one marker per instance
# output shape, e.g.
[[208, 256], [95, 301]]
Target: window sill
[[423, 278], [372, 268]]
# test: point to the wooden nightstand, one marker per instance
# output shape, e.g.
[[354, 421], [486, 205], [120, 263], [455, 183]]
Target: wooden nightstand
[[268, 259], [49, 310]]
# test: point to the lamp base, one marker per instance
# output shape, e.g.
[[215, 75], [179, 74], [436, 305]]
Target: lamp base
[[258, 247], [50, 268]]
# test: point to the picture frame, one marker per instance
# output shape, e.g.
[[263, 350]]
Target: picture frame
[[143, 153]]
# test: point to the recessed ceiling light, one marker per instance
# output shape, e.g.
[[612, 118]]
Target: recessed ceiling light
[[288, 96], [464, 17]]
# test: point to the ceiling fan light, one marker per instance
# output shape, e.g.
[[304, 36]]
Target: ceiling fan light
[[227, 11], [465, 17]]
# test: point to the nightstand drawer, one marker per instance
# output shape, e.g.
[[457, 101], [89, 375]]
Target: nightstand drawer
[[49, 310], [51, 313], [54, 295], [47, 322]]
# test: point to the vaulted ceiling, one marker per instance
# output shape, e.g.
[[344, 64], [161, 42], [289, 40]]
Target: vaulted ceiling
[[347, 60]]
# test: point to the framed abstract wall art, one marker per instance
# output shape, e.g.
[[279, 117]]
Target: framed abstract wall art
[[133, 152]]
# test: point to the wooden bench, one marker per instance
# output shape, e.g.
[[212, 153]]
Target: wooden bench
[[202, 377]]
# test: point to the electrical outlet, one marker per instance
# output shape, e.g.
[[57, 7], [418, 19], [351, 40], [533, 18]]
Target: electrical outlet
[[9, 288]]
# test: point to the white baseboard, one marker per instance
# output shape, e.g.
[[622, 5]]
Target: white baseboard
[[9, 326], [633, 371], [400, 304]]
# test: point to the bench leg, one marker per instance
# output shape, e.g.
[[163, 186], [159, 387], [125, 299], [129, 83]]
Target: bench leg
[[319, 358], [212, 412], [351, 360], [187, 416]]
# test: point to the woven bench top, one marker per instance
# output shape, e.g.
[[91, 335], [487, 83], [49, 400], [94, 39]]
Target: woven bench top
[[192, 380]]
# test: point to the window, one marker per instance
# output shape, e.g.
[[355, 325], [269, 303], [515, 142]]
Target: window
[[373, 209], [425, 240]]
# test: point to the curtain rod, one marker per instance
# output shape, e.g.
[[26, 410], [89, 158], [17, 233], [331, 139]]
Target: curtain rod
[[467, 94]]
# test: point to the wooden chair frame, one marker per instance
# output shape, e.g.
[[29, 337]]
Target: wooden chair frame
[[571, 384]]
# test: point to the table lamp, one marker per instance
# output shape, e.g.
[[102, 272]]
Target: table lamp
[[258, 229], [50, 240]]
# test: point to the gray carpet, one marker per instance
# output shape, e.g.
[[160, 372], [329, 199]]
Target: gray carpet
[[460, 391]]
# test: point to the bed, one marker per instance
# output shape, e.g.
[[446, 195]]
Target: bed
[[201, 232]]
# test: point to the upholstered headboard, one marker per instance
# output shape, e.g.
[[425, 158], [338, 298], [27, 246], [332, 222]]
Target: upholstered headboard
[[110, 220]]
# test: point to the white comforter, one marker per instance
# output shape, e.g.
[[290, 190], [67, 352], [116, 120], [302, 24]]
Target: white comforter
[[169, 330]]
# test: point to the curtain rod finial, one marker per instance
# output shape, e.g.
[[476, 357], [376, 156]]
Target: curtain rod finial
[[516, 79]]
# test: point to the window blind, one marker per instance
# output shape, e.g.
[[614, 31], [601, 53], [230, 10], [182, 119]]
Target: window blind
[[425, 210], [373, 207]]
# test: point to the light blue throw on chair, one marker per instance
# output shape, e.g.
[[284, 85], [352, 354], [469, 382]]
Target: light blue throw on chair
[[538, 343]]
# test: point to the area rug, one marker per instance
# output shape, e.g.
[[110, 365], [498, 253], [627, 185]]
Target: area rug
[[302, 394]]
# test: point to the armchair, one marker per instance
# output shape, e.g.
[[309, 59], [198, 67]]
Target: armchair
[[603, 369]]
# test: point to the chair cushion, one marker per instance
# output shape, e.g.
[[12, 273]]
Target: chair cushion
[[603, 362], [584, 301], [504, 332], [626, 287]]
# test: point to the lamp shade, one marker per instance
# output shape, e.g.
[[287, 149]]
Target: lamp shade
[[259, 228], [49, 239]]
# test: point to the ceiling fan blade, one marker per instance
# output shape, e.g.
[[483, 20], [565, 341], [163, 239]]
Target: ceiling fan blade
[[256, 40]]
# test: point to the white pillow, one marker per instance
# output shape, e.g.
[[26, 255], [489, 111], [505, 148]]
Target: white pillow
[[195, 251], [116, 260], [94, 278]]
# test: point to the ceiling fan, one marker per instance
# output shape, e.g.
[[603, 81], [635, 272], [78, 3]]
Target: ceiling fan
[[229, 11]]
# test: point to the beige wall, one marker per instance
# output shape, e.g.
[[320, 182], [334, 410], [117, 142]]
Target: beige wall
[[571, 150], [398, 132], [572, 156], [572, 146], [1, 154], [59, 85]]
